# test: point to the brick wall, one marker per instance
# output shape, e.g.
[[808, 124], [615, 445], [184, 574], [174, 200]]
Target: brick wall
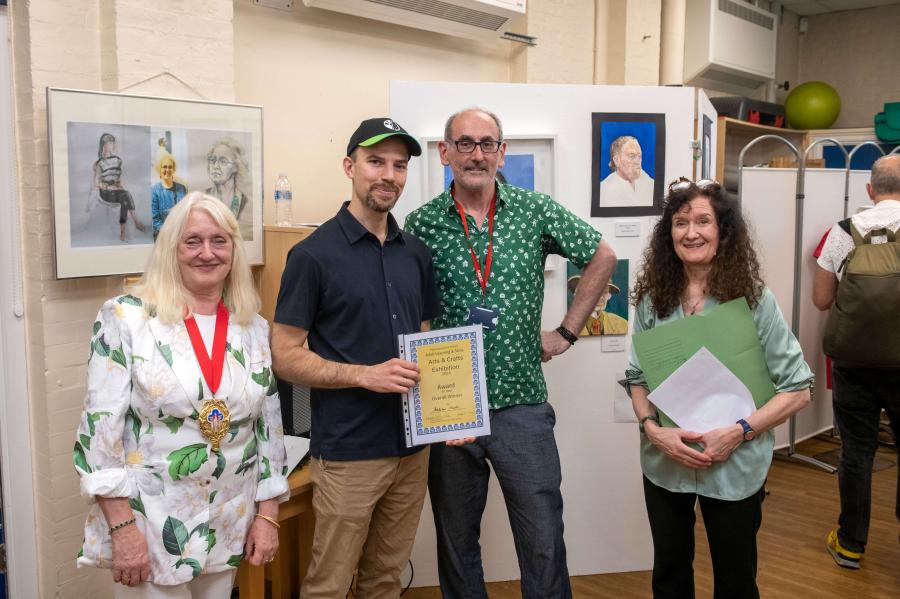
[[855, 52], [154, 48]]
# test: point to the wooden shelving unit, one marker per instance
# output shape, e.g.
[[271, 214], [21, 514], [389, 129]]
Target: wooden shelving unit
[[734, 134], [279, 241]]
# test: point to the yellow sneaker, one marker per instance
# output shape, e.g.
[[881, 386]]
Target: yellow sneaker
[[843, 557]]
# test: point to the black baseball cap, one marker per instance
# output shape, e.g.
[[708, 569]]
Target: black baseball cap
[[372, 131]]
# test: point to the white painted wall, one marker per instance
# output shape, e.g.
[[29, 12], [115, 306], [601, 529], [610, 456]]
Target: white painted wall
[[606, 523]]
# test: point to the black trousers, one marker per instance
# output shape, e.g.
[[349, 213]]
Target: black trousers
[[121, 197], [859, 396], [731, 528]]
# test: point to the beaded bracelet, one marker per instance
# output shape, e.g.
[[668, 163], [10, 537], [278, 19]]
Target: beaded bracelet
[[270, 520], [113, 529]]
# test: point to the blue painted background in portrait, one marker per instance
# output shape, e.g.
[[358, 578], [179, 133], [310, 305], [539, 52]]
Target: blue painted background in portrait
[[518, 170], [643, 131]]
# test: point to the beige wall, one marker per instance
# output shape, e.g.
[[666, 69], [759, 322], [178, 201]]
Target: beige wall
[[319, 73], [856, 52], [632, 42], [564, 52], [787, 56]]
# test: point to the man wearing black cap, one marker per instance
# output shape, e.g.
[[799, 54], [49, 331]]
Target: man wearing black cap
[[350, 289]]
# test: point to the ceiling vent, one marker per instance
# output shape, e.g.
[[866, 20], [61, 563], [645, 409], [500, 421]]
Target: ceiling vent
[[729, 45], [474, 19]]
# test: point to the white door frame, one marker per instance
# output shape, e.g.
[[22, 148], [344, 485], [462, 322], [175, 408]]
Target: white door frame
[[15, 426]]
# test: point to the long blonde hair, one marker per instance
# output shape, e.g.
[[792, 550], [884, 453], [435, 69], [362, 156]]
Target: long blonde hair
[[161, 287]]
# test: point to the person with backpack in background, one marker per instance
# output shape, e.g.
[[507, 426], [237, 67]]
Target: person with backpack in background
[[858, 277]]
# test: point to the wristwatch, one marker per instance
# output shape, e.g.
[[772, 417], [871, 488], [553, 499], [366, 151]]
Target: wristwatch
[[749, 433], [652, 417], [567, 334]]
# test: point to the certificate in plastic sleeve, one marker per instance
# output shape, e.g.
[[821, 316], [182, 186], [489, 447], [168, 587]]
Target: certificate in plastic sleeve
[[450, 401]]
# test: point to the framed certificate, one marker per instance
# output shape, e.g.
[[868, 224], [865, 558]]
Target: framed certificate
[[450, 401]]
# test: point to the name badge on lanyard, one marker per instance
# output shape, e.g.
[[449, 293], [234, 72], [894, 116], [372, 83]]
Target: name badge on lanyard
[[481, 314]]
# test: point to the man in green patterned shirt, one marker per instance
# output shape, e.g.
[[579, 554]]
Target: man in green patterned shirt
[[489, 242]]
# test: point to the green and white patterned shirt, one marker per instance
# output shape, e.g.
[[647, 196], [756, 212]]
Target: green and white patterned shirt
[[528, 227]]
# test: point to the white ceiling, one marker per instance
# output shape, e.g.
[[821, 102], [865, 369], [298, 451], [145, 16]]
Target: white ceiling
[[817, 7]]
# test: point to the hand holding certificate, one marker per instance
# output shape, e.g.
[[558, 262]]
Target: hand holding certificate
[[450, 401]]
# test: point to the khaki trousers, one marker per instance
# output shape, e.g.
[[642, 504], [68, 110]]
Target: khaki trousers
[[367, 513]]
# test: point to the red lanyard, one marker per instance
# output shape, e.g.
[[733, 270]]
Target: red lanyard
[[482, 278], [211, 367]]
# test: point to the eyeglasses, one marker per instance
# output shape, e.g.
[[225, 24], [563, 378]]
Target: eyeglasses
[[685, 183], [467, 146], [223, 161]]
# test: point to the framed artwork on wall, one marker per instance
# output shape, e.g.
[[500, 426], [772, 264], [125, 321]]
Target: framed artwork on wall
[[628, 156], [610, 315], [529, 162], [118, 163]]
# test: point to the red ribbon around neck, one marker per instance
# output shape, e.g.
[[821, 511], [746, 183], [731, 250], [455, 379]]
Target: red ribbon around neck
[[210, 366]]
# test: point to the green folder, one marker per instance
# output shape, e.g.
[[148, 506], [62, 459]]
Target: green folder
[[727, 331]]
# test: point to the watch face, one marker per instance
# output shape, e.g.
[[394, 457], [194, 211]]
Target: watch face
[[750, 435]]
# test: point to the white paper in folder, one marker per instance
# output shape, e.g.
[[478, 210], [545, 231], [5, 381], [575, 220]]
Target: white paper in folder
[[297, 448], [703, 394]]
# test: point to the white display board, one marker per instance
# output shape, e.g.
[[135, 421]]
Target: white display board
[[768, 199], [859, 197], [605, 518]]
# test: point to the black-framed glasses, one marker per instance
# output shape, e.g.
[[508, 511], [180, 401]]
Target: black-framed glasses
[[467, 146]]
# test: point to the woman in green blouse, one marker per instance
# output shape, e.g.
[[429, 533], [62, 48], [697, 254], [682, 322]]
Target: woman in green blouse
[[700, 255]]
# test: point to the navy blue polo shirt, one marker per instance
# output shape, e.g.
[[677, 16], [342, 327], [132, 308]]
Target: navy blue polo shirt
[[355, 296]]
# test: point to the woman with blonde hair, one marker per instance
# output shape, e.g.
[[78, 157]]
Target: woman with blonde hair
[[165, 193], [180, 447]]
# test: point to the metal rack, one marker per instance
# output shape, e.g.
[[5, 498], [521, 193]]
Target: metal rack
[[790, 453]]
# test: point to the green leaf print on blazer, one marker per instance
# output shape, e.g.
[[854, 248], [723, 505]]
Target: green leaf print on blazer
[[187, 460]]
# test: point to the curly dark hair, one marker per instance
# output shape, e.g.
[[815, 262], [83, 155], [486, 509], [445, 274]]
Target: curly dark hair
[[735, 267]]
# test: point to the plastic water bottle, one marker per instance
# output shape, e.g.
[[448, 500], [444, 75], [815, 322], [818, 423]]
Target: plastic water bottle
[[283, 217]]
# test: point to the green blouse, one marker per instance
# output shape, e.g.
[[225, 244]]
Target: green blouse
[[745, 471]]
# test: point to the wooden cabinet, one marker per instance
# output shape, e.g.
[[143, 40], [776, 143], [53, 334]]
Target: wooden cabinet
[[278, 241], [734, 134]]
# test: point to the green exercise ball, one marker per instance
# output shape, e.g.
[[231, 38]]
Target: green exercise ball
[[812, 105]]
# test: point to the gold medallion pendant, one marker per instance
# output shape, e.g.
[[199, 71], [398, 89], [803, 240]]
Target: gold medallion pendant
[[214, 421]]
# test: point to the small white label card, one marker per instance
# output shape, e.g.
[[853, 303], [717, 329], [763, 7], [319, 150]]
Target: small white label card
[[628, 228], [612, 343]]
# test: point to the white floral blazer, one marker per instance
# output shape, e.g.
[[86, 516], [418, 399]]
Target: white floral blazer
[[139, 438]]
